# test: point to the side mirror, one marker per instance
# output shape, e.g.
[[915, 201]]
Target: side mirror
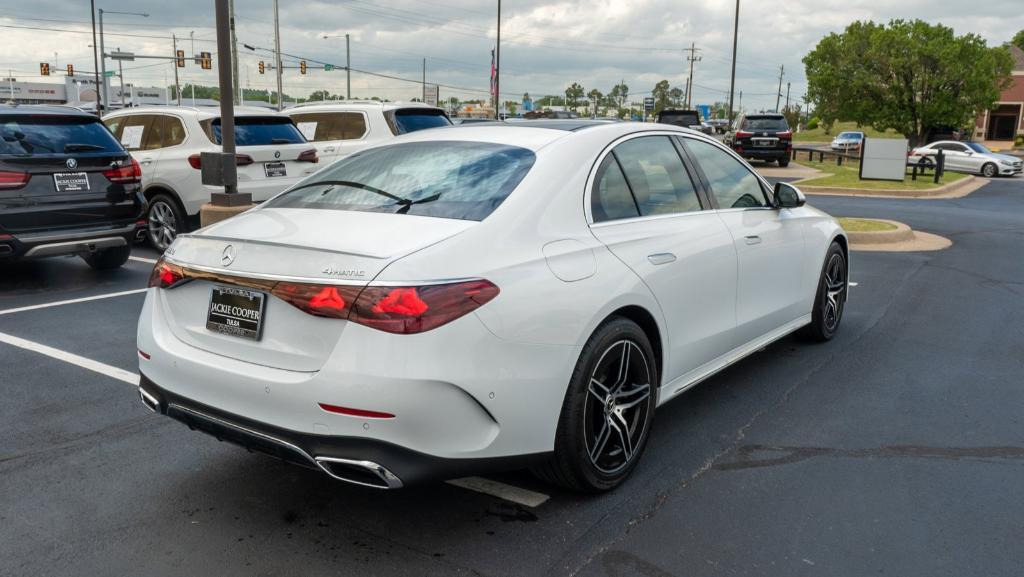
[[788, 196]]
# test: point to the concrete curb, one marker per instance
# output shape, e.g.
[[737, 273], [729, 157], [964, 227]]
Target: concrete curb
[[957, 189], [902, 233], [902, 239]]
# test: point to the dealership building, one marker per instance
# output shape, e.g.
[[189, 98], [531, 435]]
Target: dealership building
[[1006, 118], [79, 91]]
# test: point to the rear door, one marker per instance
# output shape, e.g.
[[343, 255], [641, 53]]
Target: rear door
[[52, 169], [769, 243], [139, 134], [335, 134], [646, 209]]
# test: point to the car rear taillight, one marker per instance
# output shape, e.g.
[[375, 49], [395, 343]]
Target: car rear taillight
[[743, 134], [784, 134], [11, 179], [125, 174], [415, 309], [165, 275], [308, 156], [329, 301], [196, 160], [243, 160]]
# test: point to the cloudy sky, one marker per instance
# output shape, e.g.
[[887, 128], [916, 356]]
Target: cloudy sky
[[545, 45]]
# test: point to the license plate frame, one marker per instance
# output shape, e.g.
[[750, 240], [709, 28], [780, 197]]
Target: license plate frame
[[764, 142], [71, 181], [236, 312], [275, 169]]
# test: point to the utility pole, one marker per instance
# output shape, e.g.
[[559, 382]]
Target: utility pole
[[234, 54], [497, 69], [735, 37], [95, 62], [740, 108], [120, 75], [103, 67], [348, 71], [787, 94], [423, 96], [174, 52], [693, 50], [277, 57], [778, 95]]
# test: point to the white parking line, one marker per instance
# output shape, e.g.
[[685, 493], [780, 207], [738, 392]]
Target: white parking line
[[71, 301], [500, 490], [140, 259], [95, 366]]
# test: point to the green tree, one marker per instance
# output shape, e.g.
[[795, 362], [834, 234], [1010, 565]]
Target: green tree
[[618, 94], [792, 114], [1018, 40], [676, 96], [573, 94], [662, 96], [905, 76], [318, 95]]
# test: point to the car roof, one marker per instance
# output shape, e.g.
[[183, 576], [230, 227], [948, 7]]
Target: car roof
[[343, 105], [19, 109], [765, 115], [201, 112], [536, 134], [565, 124]]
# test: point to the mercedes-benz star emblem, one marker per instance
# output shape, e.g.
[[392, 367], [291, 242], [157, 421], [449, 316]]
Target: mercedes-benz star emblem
[[227, 256], [277, 154], [72, 163]]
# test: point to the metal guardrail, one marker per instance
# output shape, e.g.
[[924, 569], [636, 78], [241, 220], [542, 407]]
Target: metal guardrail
[[937, 167]]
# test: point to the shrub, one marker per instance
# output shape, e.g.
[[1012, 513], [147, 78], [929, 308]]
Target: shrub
[[1019, 141], [813, 123]]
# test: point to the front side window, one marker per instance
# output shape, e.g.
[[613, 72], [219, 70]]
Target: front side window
[[256, 131], [461, 180], [656, 176], [327, 126], [732, 184]]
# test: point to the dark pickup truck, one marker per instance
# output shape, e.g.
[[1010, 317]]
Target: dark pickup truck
[[762, 137], [67, 186]]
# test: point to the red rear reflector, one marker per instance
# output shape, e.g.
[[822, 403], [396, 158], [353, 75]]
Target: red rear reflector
[[308, 156], [11, 179], [144, 354], [355, 412], [409, 310], [6, 237], [141, 222], [125, 174]]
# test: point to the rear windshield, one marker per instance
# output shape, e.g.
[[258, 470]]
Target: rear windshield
[[851, 135], [25, 135], [685, 119], [462, 180], [765, 123], [405, 120], [256, 131]]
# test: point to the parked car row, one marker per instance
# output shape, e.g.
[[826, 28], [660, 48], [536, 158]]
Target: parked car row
[[969, 157]]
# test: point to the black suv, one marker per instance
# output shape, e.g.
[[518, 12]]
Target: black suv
[[684, 118], [67, 186], [762, 137]]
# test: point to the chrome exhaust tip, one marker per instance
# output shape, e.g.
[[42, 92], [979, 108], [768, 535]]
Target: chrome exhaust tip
[[365, 473], [149, 400]]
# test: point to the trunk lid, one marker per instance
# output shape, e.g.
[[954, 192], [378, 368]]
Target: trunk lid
[[303, 245]]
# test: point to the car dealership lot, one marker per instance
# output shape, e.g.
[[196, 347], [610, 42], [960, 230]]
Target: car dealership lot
[[898, 446]]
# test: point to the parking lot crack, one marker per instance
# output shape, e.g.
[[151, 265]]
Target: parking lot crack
[[756, 456]]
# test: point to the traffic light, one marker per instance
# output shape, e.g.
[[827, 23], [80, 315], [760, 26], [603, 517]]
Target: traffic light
[[44, 68], [302, 66], [179, 56], [71, 69], [263, 67], [205, 60]]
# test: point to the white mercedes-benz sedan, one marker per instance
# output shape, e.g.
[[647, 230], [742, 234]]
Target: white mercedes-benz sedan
[[487, 296]]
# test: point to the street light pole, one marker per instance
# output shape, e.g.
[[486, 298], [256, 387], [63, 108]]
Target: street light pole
[[497, 69], [277, 56], [95, 60], [735, 37], [348, 71], [103, 53]]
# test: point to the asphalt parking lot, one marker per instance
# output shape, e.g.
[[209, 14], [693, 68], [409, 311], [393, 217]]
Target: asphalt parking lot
[[897, 448]]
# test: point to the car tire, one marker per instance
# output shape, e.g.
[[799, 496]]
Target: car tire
[[607, 413], [108, 258], [989, 170], [165, 220], [783, 162], [829, 298]]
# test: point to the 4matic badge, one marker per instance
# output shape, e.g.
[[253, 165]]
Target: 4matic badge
[[332, 270]]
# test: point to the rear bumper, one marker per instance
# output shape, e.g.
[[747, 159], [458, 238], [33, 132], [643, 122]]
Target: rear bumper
[[357, 460], [65, 242], [764, 153]]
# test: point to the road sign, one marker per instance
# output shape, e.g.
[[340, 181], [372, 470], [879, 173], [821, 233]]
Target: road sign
[[649, 103], [108, 74], [430, 94], [128, 56], [328, 67]]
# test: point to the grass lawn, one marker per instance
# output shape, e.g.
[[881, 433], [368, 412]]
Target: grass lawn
[[846, 176], [818, 134], [864, 225]]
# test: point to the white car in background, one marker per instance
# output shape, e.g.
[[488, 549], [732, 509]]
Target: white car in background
[[339, 128], [970, 157], [488, 296], [167, 142], [847, 141]]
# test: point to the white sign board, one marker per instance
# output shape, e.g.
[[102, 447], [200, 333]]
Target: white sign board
[[430, 94], [131, 137], [883, 159], [308, 129]]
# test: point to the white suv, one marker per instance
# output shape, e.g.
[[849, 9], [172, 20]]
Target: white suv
[[340, 128], [167, 142]]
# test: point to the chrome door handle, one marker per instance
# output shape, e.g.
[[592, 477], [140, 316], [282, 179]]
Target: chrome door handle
[[752, 239], [661, 258], [329, 149], [147, 161]]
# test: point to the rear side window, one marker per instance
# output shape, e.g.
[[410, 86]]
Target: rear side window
[[256, 131], [325, 126], [405, 120], [462, 180], [31, 135], [611, 198], [755, 123], [656, 176], [132, 131], [732, 183]]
